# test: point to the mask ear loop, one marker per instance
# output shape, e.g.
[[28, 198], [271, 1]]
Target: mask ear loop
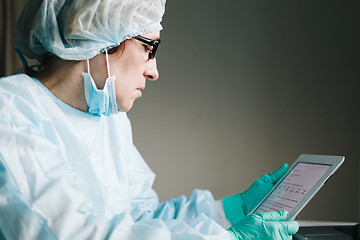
[[88, 65], [107, 63]]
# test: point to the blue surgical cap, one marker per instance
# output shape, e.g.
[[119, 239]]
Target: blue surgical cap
[[81, 29]]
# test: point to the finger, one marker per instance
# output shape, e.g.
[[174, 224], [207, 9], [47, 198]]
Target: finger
[[275, 176], [292, 227], [274, 216]]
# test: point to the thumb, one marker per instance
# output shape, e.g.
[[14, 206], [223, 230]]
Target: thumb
[[292, 226], [274, 216], [276, 175]]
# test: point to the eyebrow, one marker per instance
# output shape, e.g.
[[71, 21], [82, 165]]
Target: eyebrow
[[152, 37], [155, 39]]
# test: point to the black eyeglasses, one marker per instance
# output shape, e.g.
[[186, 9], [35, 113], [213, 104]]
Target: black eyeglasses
[[151, 42]]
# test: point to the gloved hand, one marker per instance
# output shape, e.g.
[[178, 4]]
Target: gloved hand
[[238, 206], [264, 226]]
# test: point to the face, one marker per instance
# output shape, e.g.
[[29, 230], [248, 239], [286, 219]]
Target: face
[[131, 66]]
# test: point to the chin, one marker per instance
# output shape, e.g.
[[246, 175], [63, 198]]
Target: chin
[[125, 107]]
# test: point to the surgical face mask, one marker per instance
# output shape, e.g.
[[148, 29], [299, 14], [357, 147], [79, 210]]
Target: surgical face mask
[[100, 102]]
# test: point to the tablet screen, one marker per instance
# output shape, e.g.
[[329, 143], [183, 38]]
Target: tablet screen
[[294, 187]]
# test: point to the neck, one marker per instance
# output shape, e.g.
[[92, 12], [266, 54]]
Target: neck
[[64, 79]]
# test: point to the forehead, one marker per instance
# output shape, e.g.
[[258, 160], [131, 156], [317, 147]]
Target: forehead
[[152, 35]]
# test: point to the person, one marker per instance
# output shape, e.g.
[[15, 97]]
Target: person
[[68, 165]]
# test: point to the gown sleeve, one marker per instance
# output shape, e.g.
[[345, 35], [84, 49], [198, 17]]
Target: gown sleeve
[[145, 201]]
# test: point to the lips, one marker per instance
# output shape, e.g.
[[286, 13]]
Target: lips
[[140, 89]]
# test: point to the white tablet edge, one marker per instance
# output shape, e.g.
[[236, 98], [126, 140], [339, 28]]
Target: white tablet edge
[[334, 161]]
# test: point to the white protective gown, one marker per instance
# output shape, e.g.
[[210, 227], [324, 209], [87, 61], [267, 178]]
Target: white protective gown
[[65, 174]]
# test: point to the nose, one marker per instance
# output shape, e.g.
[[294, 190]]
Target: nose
[[151, 71]]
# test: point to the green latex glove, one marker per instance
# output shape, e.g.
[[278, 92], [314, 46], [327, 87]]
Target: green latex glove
[[238, 206], [264, 226]]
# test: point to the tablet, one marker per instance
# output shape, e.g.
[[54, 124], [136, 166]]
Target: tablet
[[300, 183]]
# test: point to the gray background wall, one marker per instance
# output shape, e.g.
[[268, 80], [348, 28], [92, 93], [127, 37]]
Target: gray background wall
[[247, 85]]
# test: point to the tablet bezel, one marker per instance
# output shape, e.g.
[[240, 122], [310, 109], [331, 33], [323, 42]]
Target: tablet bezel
[[334, 162]]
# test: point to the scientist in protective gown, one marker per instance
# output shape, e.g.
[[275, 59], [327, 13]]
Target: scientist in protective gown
[[68, 166]]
